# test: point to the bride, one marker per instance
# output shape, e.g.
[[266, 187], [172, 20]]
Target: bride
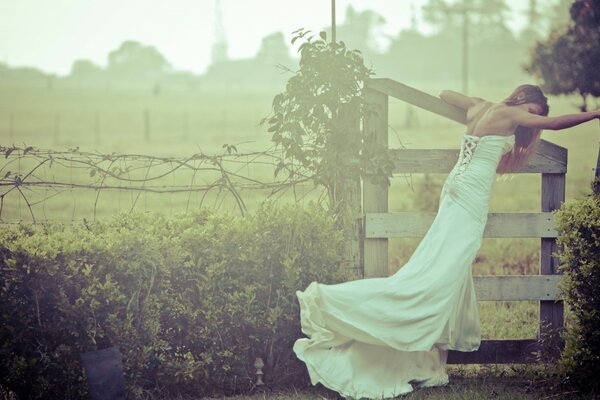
[[380, 337]]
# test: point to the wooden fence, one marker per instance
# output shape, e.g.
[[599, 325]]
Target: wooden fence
[[379, 225]]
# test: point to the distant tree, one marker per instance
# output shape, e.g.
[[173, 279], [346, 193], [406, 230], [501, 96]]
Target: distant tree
[[274, 50], [586, 13], [484, 15], [85, 69], [360, 30], [134, 60], [532, 32], [439, 14], [23, 75], [568, 61]]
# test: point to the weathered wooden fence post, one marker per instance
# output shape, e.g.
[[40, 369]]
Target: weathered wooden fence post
[[551, 311], [597, 175], [146, 124], [57, 128], [97, 127], [348, 196], [11, 127], [375, 198]]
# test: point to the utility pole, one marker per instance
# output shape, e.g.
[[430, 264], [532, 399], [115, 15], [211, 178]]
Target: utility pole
[[333, 21], [465, 49]]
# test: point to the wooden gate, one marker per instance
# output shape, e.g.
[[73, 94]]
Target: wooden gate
[[379, 225]]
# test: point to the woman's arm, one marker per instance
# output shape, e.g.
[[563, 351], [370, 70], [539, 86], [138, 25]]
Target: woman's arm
[[459, 99], [524, 118]]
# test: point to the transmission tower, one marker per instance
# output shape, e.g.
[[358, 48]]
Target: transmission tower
[[219, 49]]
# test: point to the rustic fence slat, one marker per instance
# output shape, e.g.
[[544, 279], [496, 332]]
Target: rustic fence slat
[[416, 224], [442, 161], [516, 287], [418, 98], [551, 312], [375, 196], [498, 352]]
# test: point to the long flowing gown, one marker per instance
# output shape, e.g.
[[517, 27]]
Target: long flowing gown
[[377, 337]]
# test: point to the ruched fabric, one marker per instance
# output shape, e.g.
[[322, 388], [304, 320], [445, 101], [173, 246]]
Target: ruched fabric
[[380, 337]]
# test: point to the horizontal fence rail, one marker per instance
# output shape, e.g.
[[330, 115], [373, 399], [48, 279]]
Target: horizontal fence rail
[[442, 161], [416, 224], [506, 351], [517, 287]]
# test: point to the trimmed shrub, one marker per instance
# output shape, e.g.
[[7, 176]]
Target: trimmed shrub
[[578, 224], [191, 301]]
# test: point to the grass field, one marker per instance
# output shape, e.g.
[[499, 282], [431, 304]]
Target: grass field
[[182, 123]]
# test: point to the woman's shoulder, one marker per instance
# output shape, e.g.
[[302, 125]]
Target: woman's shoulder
[[478, 109]]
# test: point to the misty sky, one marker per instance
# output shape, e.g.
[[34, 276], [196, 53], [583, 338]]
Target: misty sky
[[51, 34]]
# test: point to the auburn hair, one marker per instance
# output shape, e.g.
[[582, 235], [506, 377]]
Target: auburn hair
[[526, 139]]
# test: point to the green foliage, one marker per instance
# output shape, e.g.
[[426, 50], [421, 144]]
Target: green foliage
[[578, 223], [191, 301], [316, 120], [567, 62]]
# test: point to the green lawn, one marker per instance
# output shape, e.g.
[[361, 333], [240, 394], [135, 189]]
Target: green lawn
[[481, 387], [473, 382]]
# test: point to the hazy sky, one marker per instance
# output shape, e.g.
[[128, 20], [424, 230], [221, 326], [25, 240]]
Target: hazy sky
[[51, 34]]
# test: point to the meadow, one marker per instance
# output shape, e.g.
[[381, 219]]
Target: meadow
[[181, 122]]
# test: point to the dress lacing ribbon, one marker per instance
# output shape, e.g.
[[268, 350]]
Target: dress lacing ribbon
[[466, 152]]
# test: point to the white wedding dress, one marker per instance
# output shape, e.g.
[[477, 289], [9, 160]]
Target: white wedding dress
[[370, 338]]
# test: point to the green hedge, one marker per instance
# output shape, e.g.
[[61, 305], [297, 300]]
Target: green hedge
[[578, 223], [191, 300]]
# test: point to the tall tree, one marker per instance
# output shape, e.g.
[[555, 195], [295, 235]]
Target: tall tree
[[134, 60], [446, 15], [84, 69], [274, 50], [567, 62], [360, 30]]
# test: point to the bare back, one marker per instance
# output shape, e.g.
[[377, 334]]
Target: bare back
[[485, 118]]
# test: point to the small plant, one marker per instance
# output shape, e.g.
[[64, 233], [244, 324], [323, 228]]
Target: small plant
[[316, 120]]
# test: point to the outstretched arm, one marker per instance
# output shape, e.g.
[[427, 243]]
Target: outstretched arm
[[529, 120], [459, 99]]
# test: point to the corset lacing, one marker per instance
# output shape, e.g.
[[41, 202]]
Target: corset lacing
[[466, 152]]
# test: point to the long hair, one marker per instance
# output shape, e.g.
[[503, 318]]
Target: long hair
[[526, 139]]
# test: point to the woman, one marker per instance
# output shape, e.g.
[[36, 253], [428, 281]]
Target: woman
[[522, 114], [377, 337]]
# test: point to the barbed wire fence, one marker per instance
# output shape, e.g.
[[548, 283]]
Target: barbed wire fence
[[35, 181]]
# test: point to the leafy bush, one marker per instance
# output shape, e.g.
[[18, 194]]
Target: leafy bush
[[578, 223], [191, 301]]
